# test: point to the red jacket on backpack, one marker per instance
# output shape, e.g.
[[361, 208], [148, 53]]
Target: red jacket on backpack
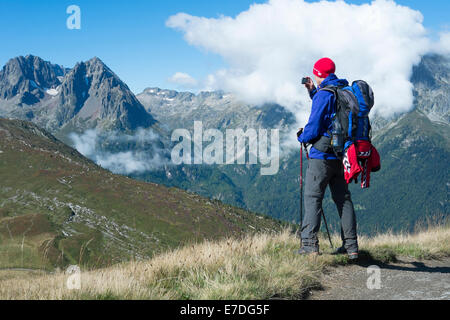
[[361, 157]]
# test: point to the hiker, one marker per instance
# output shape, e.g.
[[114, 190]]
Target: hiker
[[324, 167]]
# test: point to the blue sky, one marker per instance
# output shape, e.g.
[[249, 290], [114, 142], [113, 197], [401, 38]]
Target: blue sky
[[131, 36]]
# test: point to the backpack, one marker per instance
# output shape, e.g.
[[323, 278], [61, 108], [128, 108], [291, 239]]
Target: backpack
[[351, 118]]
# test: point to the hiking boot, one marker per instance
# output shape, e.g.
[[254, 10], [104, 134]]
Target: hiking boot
[[304, 251], [340, 250], [353, 256]]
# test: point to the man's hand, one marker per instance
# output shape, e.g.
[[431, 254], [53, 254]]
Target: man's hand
[[310, 85], [299, 133]]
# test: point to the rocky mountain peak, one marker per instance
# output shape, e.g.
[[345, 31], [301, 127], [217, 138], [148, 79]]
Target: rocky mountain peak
[[92, 92], [431, 79], [433, 70], [28, 77]]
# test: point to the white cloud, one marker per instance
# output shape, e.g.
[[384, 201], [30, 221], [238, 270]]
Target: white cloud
[[85, 143], [271, 46], [129, 162], [184, 80], [443, 45], [146, 155]]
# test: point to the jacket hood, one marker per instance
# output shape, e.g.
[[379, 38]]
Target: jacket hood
[[333, 80]]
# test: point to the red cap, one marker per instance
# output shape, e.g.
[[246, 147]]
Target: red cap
[[324, 67]]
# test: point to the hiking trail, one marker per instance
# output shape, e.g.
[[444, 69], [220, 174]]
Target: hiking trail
[[405, 279]]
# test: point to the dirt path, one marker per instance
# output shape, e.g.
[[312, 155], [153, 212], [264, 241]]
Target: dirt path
[[403, 280]]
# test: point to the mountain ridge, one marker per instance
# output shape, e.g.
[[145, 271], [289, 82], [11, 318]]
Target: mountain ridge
[[277, 196]]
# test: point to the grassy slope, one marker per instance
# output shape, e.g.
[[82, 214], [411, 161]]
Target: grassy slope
[[260, 266], [59, 208]]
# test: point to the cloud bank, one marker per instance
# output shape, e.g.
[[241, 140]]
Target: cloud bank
[[271, 46], [146, 155], [443, 45], [183, 80]]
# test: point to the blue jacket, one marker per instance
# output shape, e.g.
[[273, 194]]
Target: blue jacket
[[323, 107]]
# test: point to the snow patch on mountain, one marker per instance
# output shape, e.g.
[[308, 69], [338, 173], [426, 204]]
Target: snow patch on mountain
[[52, 92]]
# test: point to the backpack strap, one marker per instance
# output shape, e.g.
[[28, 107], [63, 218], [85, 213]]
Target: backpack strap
[[323, 143]]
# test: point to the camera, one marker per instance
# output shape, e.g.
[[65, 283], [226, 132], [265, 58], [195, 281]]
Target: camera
[[305, 80]]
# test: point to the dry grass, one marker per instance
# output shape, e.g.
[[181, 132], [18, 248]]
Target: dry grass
[[257, 267], [433, 243]]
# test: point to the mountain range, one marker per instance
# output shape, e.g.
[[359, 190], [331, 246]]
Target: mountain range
[[215, 109], [412, 186]]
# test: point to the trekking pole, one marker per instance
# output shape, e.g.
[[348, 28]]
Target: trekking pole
[[301, 191], [306, 150]]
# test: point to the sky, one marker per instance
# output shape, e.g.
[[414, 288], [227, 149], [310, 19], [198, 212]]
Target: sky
[[133, 37]]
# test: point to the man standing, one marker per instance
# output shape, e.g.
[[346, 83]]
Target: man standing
[[324, 168]]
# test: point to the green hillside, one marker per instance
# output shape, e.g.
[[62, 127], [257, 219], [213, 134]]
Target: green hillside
[[59, 208]]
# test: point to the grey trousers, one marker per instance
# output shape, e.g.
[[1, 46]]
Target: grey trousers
[[320, 174]]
